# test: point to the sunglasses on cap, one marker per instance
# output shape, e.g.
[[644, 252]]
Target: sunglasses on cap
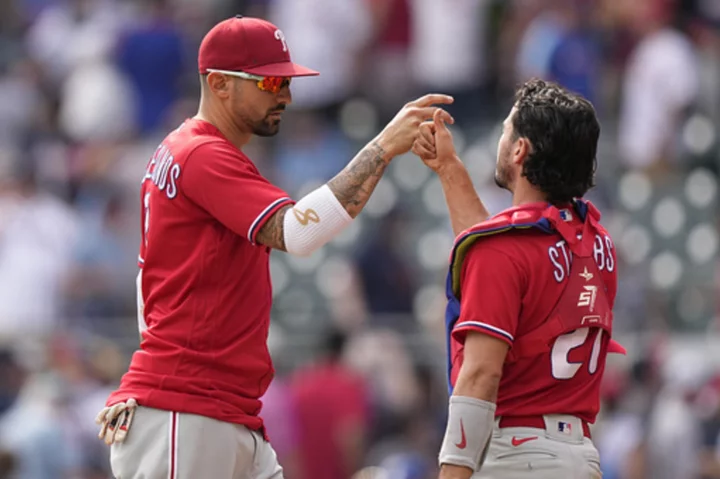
[[268, 84]]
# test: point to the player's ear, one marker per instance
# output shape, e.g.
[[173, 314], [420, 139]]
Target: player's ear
[[218, 84], [521, 150]]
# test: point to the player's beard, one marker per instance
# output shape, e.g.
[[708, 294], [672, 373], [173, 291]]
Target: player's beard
[[502, 171], [268, 126]]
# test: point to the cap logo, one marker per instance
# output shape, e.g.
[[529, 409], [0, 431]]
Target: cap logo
[[280, 36]]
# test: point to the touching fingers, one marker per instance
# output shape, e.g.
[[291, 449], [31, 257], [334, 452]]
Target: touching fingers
[[433, 99], [440, 117], [423, 151], [429, 112], [428, 144], [426, 130]]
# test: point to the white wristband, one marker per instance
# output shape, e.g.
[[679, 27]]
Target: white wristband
[[313, 221], [468, 433]]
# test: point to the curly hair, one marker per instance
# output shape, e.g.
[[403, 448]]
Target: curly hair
[[563, 130]]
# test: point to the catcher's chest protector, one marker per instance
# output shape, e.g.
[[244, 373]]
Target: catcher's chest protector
[[584, 301], [583, 304]]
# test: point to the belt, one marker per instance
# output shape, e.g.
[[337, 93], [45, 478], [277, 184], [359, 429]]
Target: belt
[[537, 422]]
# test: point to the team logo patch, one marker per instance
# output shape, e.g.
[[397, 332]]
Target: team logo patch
[[307, 216], [565, 428], [586, 275], [280, 36]]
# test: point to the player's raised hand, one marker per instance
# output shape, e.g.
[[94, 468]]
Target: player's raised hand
[[434, 143], [402, 131]]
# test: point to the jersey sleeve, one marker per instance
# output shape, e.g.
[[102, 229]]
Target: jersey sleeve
[[229, 187], [491, 293]]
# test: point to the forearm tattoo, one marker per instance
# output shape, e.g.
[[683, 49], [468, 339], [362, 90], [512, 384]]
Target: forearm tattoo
[[272, 234], [356, 182], [352, 187]]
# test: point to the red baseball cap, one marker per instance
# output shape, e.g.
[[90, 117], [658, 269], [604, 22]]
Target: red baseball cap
[[249, 45]]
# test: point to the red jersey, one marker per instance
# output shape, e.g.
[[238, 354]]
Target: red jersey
[[510, 284], [326, 419], [204, 282]]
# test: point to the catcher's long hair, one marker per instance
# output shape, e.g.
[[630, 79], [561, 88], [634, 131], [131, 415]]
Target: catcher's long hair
[[563, 129]]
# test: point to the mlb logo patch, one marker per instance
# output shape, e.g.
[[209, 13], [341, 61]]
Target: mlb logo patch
[[565, 428], [566, 215]]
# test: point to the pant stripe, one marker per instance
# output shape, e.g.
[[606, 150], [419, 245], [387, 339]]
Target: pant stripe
[[173, 445]]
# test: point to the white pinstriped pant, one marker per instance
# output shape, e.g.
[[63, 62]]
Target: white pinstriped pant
[[170, 445], [531, 453]]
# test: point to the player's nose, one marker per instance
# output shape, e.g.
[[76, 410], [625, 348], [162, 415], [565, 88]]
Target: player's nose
[[284, 97]]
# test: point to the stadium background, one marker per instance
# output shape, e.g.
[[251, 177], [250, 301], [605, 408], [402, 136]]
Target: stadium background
[[89, 87]]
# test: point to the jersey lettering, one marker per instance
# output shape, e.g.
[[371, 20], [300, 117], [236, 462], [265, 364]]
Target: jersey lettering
[[561, 257], [172, 187], [610, 263], [558, 271], [163, 172]]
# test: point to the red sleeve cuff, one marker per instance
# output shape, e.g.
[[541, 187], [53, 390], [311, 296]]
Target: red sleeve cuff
[[265, 215], [461, 329]]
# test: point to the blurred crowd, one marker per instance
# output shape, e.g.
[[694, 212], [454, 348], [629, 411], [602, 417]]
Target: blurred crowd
[[88, 88]]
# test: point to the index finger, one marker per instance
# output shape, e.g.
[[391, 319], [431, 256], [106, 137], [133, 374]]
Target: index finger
[[432, 99], [430, 112]]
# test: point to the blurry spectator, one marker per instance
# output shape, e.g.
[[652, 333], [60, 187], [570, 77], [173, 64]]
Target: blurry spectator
[[280, 419], [709, 407], [540, 40], [410, 453], [560, 44], [387, 279], [20, 102], [703, 21], [97, 104], [332, 405], [7, 464], [576, 61], [85, 373], [660, 84], [674, 434], [388, 80], [151, 54], [310, 148], [620, 435], [37, 236], [98, 283], [68, 33], [449, 51], [279, 410], [383, 357], [327, 36], [31, 428]]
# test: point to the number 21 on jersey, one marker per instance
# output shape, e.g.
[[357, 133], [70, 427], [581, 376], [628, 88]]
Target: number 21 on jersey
[[562, 368]]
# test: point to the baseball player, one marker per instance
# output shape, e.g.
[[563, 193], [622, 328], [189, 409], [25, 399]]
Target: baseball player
[[531, 291], [188, 407]]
